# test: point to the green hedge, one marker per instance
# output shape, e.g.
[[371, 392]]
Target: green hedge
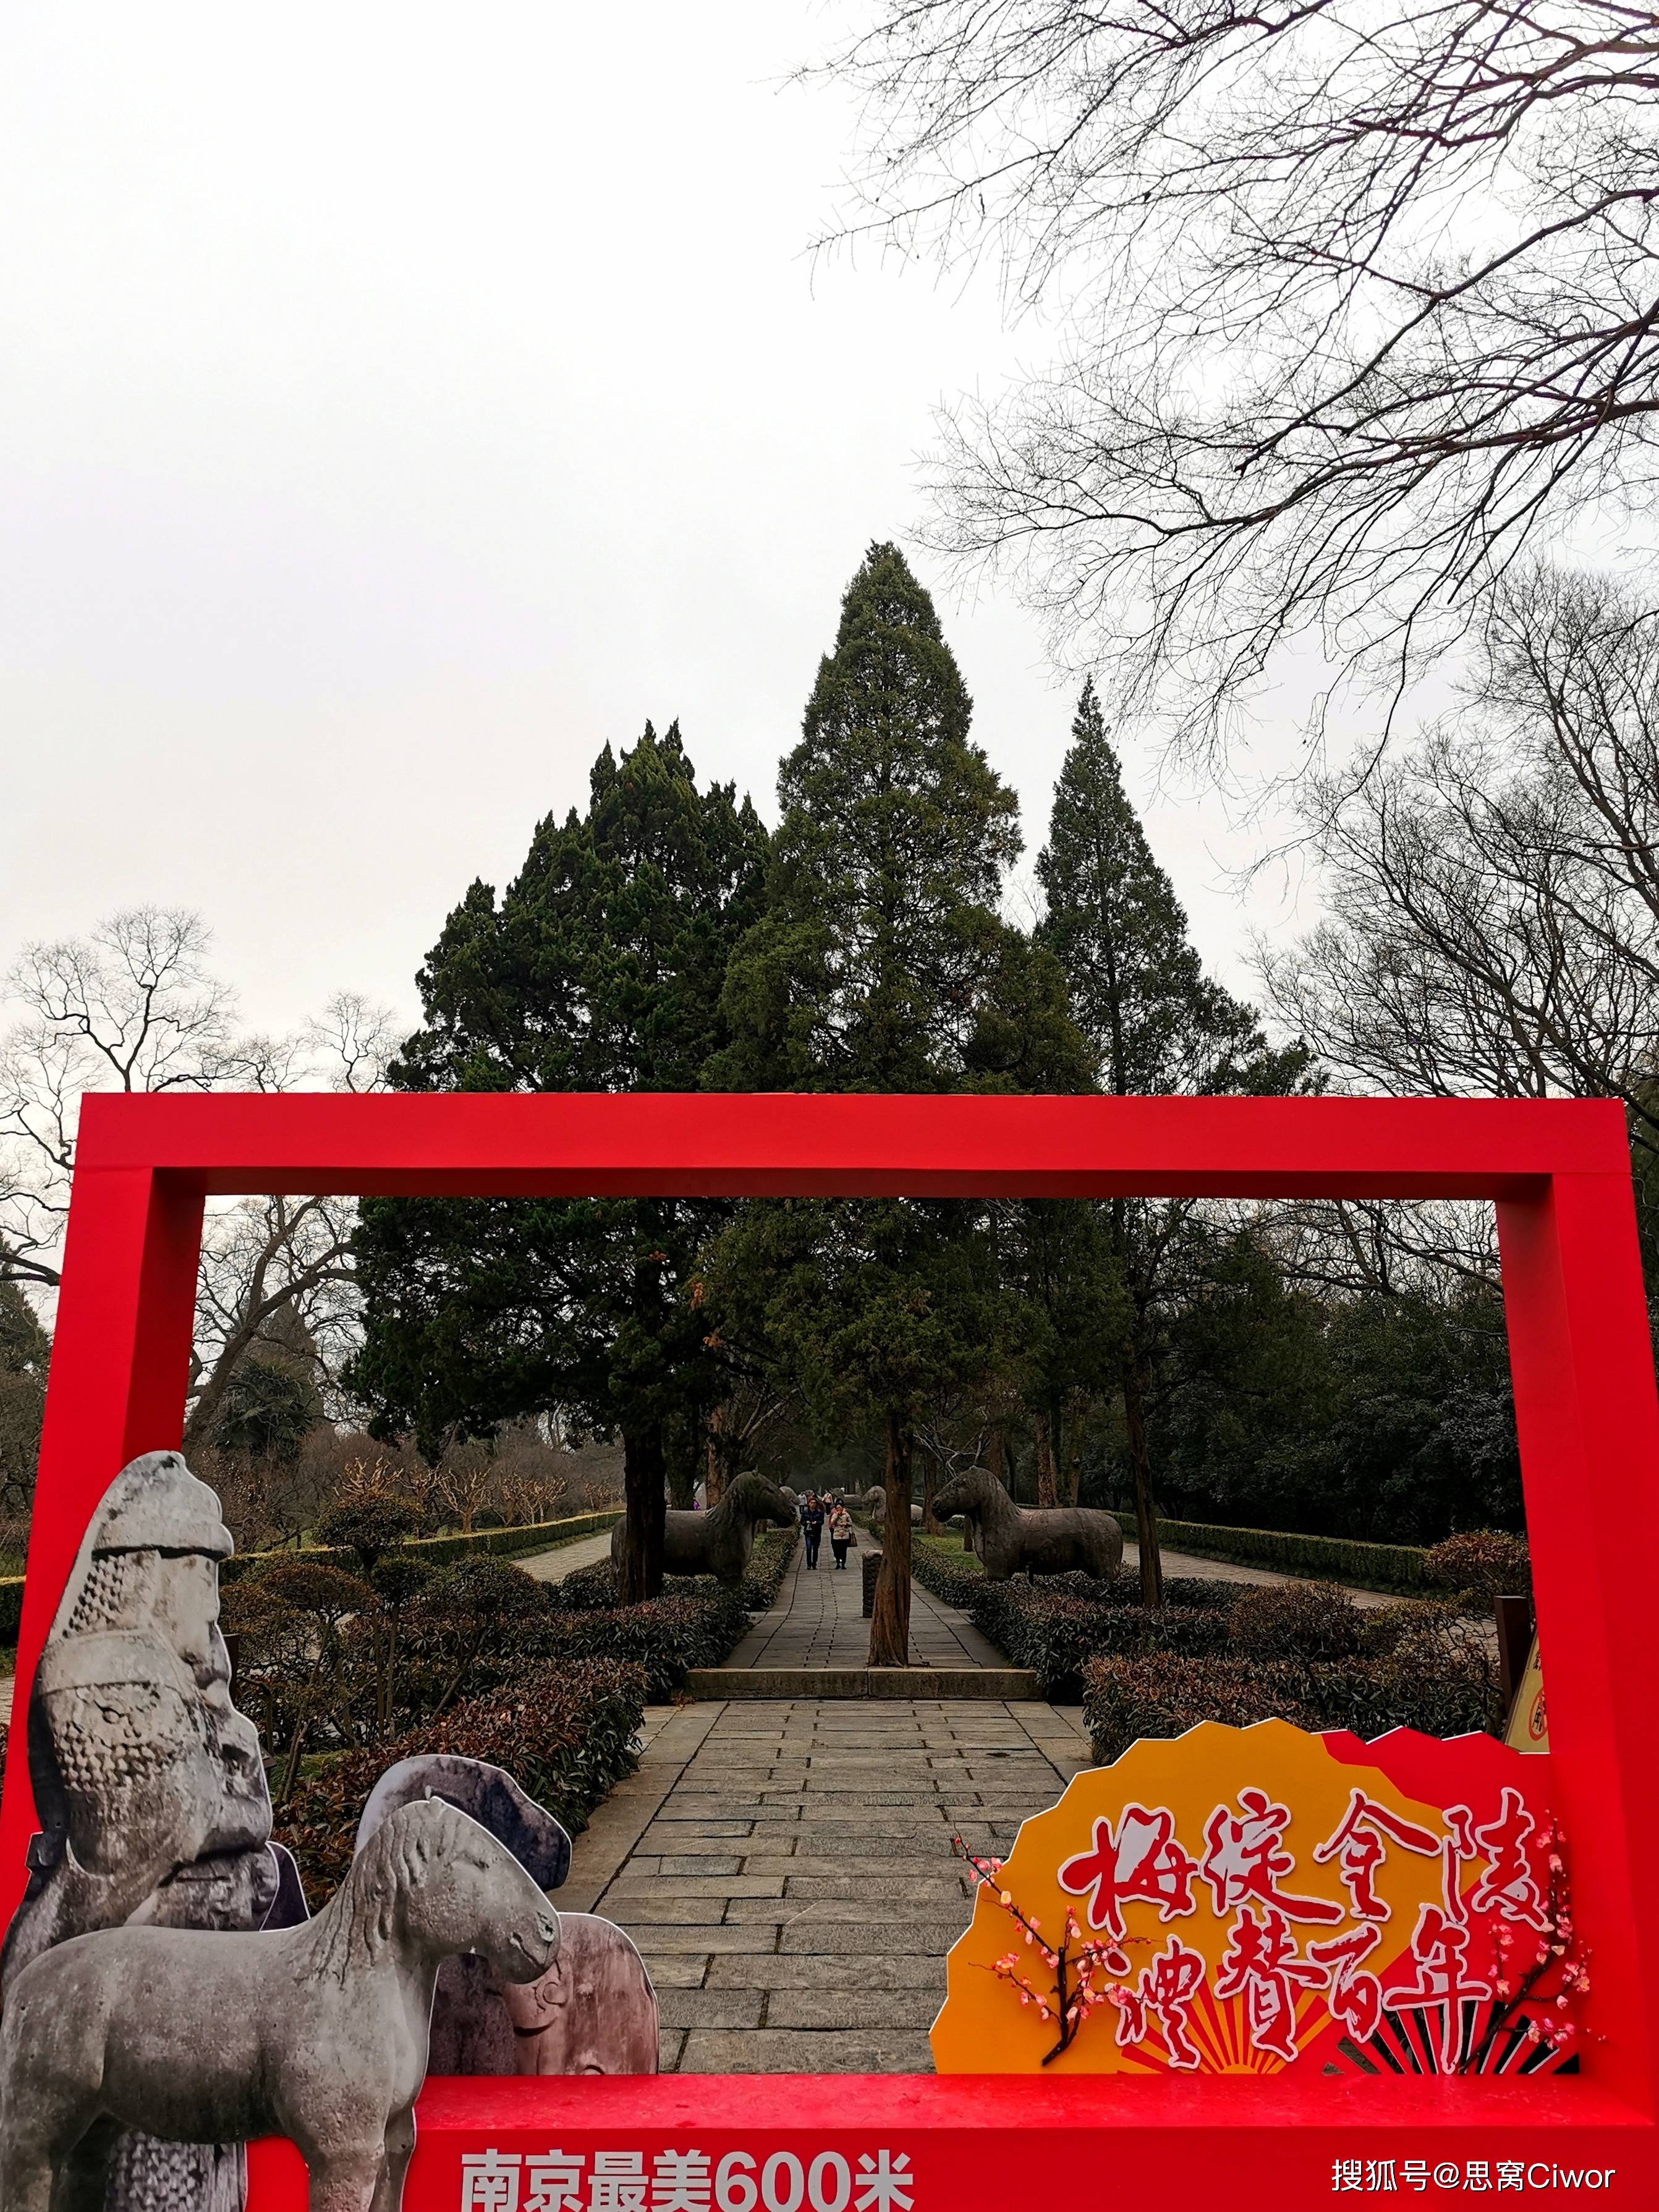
[[437, 1551], [1396, 1567], [945, 1570], [1442, 1684], [536, 1536]]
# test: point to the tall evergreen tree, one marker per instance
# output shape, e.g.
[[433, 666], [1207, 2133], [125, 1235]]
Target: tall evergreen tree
[[25, 1354], [600, 968], [882, 964], [1157, 1023], [871, 970]]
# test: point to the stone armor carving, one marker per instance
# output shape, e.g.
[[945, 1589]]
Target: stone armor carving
[[149, 1786]]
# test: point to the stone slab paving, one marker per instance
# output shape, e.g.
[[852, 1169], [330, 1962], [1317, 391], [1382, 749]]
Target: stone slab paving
[[819, 1621], [786, 1869]]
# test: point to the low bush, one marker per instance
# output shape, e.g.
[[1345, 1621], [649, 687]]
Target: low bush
[[1055, 1633], [1430, 1670], [664, 1638], [945, 1571], [768, 1563], [565, 1733], [1164, 1694], [1481, 1565], [1295, 1621]]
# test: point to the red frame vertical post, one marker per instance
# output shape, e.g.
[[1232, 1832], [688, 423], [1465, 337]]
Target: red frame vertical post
[[121, 1366], [1589, 1422]]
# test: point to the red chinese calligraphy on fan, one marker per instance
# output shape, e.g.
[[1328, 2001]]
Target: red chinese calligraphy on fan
[[1355, 2000], [1165, 1994], [1359, 1846], [1263, 1962], [1141, 1862], [1244, 1859], [1509, 1885]]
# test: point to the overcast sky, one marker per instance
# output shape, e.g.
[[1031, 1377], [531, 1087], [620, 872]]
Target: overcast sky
[[398, 402]]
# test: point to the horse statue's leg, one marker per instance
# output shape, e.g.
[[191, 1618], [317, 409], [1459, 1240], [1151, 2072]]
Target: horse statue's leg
[[399, 2149], [348, 2181], [25, 2178]]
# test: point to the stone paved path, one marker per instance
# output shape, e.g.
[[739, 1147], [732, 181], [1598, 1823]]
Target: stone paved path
[[564, 1560], [786, 1869], [819, 1621]]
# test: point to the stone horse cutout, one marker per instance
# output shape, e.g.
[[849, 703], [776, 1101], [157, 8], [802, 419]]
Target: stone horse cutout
[[718, 1543], [593, 2011], [1009, 1539], [317, 2032]]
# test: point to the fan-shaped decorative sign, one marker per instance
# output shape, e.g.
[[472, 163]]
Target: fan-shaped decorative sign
[[1241, 1900]]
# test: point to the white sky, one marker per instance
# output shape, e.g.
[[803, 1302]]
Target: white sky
[[396, 401]]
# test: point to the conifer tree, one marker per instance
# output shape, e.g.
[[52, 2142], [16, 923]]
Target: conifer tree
[[25, 1354], [871, 970], [882, 964], [600, 968], [1157, 1024]]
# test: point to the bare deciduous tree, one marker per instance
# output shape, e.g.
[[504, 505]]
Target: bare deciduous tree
[[1493, 898], [134, 1006], [1352, 299]]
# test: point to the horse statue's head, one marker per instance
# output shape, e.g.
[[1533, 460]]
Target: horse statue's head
[[431, 1875], [962, 1493], [758, 1497]]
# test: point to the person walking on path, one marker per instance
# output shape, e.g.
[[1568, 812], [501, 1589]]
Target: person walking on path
[[841, 1532], [812, 1525]]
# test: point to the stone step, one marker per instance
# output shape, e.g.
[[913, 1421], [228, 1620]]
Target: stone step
[[987, 1682]]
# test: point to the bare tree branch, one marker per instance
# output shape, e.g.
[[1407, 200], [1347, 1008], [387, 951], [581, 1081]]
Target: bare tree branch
[[1353, 299]]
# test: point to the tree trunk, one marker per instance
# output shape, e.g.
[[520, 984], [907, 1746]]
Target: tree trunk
[[643, 1493], [1047, 1492], [682, 1473], [1141, 1466], [996, 1455], [929, 1488], [714, 1480], [1074, 1457], [890, 1617]]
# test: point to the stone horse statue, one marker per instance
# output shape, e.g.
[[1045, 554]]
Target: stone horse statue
[[1056, 1540], [872, 1503], [592, 2012], [317, 2032], [718, 1543]]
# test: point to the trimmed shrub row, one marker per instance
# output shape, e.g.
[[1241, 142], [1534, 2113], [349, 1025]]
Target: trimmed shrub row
[[566, 1734], [436, 1551], [1373, 1566], [1410, 1666], [439, 1551], [663, 1638], [945, 1570]]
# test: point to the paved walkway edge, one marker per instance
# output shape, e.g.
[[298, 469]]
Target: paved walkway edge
[[669, 1741], [1000, 1683]]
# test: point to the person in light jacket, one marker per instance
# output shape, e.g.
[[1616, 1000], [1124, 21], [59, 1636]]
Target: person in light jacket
[[841, 1532]]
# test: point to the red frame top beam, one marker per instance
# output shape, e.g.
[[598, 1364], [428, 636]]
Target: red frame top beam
[[721, 1144]]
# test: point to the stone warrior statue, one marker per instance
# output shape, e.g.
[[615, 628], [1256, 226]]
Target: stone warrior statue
[[149, 1785]]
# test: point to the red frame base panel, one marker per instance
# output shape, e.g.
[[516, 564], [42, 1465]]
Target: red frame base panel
[[1588, 1417]]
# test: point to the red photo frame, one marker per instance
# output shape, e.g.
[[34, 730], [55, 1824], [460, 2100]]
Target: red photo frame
[[1588, 1416]]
